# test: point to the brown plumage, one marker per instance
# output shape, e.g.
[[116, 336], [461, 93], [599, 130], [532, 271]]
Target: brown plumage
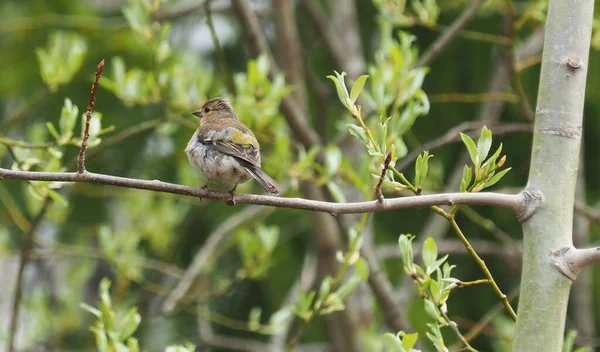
[[224, 150]]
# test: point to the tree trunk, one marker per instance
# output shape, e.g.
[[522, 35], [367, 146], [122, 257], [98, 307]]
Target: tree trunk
[[554, 162]]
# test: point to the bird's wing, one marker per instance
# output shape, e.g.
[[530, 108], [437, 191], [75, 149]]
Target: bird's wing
[[232, 141]]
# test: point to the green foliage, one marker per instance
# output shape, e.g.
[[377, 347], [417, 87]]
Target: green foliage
[[434, 289], [401, 342], [424, 12], [62, 58], [334, 290], [395, 87], [569, 343], [256, 249], [114, 329], [485, 174]]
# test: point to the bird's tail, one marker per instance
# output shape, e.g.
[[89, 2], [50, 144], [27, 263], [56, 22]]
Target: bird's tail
[[265, 180]]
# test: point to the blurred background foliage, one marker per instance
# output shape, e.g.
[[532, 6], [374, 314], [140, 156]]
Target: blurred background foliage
[[161, 64]]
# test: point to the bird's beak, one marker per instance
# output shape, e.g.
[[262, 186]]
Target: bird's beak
[[198, 113]]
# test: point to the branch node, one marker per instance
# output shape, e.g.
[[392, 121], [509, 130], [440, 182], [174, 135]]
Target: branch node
[[88, 118], [571, 261], [558, 258], [386, 166], [573, 63], [531, 201]]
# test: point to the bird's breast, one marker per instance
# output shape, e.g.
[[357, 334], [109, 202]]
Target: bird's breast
[[214, 165]]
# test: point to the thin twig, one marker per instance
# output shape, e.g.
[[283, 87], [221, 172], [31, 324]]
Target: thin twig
[[88, 118], [325, 32], [449, 34], [511, 32], [487, 318], [515, 202], [454, 97], [258, 45], [219, 49], [386, 166], [457, 332], [591, 214], [25, 250], [472, 283], [479, 261]]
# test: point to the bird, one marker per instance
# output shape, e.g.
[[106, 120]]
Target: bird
[[224, 150]]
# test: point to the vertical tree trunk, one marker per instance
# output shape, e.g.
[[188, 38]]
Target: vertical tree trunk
[[554, 162]]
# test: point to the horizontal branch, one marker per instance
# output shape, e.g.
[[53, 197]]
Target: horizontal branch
[[570, 261], [518, 203]]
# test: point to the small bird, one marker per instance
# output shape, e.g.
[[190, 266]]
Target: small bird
[[224, 150]]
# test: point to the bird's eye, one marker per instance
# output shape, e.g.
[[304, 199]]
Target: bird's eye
[[206, 110]]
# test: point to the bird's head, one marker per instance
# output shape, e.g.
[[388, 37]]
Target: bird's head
[[216, 108]]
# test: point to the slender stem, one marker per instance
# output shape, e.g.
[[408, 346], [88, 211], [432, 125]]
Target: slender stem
[[457, 332], [478, 259], [450, 33], [25, 251], [219, 49], [88, 118], [472, 283]]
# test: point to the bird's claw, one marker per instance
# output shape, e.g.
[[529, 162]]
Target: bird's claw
[[231, 200]]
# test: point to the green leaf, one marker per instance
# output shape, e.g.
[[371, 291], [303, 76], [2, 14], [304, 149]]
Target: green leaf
[[91, 309], [406, 251], [492, 159], [357, 88], [68, 119], [348, 287], [280, 317], [62, 58], [431, 309], [333, 159], [466, 178], [254, 319], [569, 342], [340, 87], [325, 288], [410, 340], [492, 181], [359, 133], [435, 265], [418, 165], [57, 198], [53, 130], [471, 148], [362, 268], [421, 168], [430, 252], [392, 341], [484, 143], [129, 324], [336, 192]]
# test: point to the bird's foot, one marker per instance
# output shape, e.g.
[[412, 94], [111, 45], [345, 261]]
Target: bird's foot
[[231, 200], [205, 188]]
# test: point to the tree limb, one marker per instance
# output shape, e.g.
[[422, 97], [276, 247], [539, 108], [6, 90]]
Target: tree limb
[[434, 49], [515, 202]]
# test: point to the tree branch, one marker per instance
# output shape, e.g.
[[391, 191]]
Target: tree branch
[[570, 261], [25, 251], [88, 118], [258, 44], [449, 34], [518, 203]]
